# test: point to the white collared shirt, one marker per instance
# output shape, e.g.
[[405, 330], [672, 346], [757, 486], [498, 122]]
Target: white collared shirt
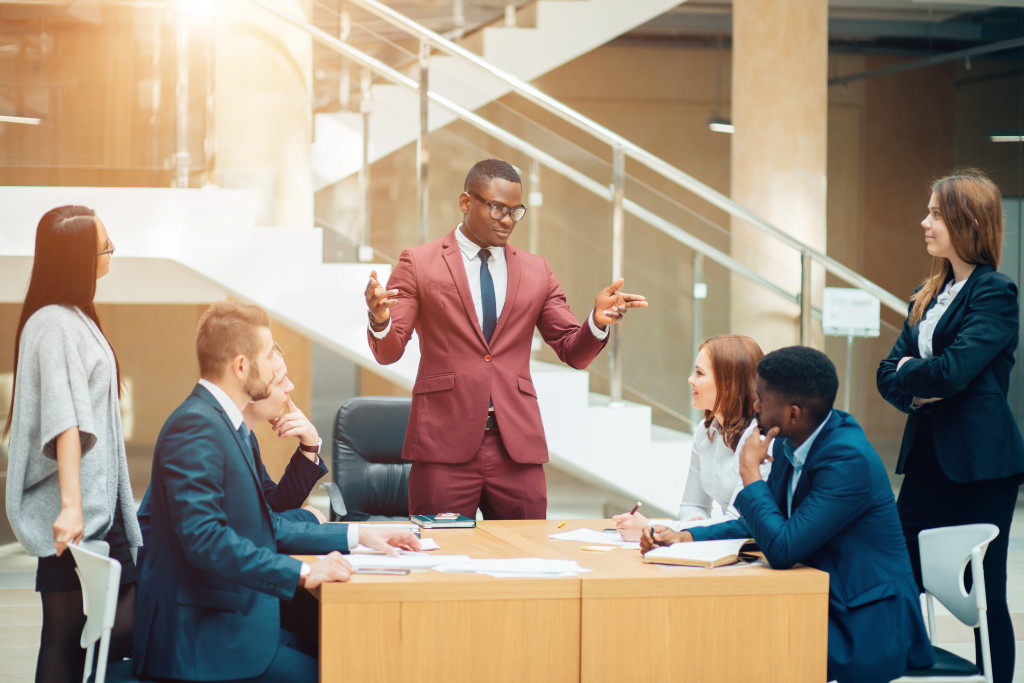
[[799, 458], [497, 266], [714, 474], [926, 330]]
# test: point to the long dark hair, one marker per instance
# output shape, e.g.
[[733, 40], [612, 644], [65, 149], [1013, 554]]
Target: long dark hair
[[63, 272]]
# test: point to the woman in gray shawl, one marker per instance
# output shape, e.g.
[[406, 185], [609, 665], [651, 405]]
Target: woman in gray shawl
[[67, 475]]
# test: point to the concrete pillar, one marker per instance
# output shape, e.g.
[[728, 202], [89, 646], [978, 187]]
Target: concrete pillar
[[780, 111], [262, 109]]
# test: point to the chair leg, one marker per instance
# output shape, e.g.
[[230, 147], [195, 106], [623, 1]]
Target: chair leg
[[101, 661], [88, 663]]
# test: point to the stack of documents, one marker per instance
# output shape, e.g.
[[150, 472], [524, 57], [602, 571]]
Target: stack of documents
[[425, 544], [517, 567]]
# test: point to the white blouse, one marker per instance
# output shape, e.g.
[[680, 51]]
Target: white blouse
[[926, 329], [714, 475]]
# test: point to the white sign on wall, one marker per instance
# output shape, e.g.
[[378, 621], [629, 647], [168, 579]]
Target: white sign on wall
[[850, 312]]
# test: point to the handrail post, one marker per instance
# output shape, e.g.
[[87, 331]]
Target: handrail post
[[805, 298], [618, 226], [536, 204], [365, 108], [181, 160], [700, 292], [422, 151]]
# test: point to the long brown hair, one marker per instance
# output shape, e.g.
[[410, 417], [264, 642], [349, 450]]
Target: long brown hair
[[972, 209], [734, 360], [63, 272]]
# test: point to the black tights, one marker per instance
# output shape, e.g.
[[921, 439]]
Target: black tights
[[61, 657], [928, 499]]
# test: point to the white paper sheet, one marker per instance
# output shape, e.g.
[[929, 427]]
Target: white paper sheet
[[595, 537], [404, 561], [425, 545], [516, 567]]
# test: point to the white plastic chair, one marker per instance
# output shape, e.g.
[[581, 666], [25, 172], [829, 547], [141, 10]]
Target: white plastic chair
[[101, 579], [945, 553]]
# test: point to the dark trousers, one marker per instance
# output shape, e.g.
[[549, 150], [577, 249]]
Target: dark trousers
[[500, 487], [928, 499]]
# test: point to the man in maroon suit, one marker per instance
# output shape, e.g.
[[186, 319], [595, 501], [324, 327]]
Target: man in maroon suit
[[475, 436]]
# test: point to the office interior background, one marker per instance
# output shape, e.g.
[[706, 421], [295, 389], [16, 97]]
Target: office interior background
[[222, 143]]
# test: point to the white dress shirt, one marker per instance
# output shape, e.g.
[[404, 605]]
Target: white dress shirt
[[714, 474], [926, 330], [798, 458]]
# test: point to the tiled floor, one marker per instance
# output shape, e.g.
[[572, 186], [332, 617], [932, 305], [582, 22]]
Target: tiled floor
[[20, 613]]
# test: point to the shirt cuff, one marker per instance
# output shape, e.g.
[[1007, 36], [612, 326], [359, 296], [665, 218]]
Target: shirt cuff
[[383, 333], [598, 333], [353, 536]]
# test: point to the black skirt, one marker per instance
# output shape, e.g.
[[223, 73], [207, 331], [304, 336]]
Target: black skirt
[[57, 574]]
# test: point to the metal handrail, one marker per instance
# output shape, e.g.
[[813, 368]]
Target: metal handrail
[[635, 152], [549, 161]]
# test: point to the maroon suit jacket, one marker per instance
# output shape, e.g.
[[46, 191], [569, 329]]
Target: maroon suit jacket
[[458, 370]]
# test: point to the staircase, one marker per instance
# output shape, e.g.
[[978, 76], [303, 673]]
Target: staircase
[[200, 245], [563, 31]]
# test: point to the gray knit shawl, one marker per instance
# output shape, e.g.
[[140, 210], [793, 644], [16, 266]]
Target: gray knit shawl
[[66, 378]]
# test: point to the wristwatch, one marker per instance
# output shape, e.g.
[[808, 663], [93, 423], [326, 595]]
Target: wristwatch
[[374, 325], [312, 450]]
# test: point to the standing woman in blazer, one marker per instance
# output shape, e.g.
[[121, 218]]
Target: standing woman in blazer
[[67, 475], [962, 456]]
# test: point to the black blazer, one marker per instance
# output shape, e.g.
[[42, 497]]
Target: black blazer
[[975, 433]]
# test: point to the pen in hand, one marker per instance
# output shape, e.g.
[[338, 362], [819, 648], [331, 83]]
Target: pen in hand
[[635, 508]]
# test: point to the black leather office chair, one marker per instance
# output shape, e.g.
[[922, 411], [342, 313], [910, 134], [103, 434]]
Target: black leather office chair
[[370, 479]]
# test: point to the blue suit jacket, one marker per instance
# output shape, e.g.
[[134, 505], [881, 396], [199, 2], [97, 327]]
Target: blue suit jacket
[[207, 606], [844, 522], [976, 436], [287, 496]]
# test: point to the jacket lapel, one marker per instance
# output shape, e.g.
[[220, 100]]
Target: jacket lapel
[[515, 273], [452, 256], [243, 446], [806, 473], [952, 314]]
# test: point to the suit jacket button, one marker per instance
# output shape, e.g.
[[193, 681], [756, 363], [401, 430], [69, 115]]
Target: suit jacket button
[[487, 358]]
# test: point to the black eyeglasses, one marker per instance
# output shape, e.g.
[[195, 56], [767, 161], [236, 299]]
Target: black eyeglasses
[[499, 211], [109, 249]]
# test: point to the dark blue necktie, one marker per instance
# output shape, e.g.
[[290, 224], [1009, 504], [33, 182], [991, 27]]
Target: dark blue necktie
[[487, 296]]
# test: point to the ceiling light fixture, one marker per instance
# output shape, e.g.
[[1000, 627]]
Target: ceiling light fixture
[[1006, 138], [28, 120], [721, 125]]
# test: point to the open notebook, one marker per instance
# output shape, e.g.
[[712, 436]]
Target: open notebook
[[699, 553]]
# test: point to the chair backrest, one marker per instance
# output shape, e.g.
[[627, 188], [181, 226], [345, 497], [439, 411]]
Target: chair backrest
[[367, 457], [945, 553], [100, 577]]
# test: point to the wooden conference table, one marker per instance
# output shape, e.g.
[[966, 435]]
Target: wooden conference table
[[624, 620]]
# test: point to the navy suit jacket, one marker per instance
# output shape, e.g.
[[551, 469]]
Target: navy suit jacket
[[975, 434], [287, 495], [209, 590], [844, 522]]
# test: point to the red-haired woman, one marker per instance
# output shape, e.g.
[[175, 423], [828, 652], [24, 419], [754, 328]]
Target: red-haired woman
[[722, 385], [67, 474], [962, 456]]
